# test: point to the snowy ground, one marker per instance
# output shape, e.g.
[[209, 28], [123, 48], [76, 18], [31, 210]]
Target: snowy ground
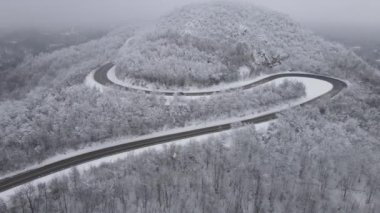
[[314, 88], [220, 87], [203, 138], [90, 82]]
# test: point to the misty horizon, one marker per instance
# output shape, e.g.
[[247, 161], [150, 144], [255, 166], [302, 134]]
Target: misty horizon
[[22, 14]]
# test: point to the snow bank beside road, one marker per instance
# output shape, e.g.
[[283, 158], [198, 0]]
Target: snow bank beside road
[[90, 82], [313, 87]]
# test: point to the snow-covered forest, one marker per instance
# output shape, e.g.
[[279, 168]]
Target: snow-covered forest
[[57, 120], [206, 45], [299, 165], [320, 158]]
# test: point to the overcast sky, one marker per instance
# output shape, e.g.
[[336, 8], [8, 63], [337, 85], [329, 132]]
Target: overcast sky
[[55, 12]]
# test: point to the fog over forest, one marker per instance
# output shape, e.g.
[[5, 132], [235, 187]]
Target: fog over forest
[[25, 13]]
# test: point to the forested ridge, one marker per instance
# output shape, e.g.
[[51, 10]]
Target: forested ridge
[[206, 44], [61, 68], [320, 158]]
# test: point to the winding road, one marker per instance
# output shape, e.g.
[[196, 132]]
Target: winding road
[[100, 76]]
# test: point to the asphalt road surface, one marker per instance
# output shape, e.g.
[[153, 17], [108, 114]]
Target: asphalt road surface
[[100, 76]]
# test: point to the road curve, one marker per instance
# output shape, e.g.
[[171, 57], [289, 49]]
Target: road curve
[[100, 76]]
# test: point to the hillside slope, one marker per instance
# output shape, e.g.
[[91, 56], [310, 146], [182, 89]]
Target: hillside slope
[[321, 158], [205, 44]]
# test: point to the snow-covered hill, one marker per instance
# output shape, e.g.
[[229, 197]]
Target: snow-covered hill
[[205, 44]]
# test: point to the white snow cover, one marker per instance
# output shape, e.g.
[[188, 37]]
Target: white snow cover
[[244, 72], [111, 74], [90, 82], [83, 167], [314, 88]]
